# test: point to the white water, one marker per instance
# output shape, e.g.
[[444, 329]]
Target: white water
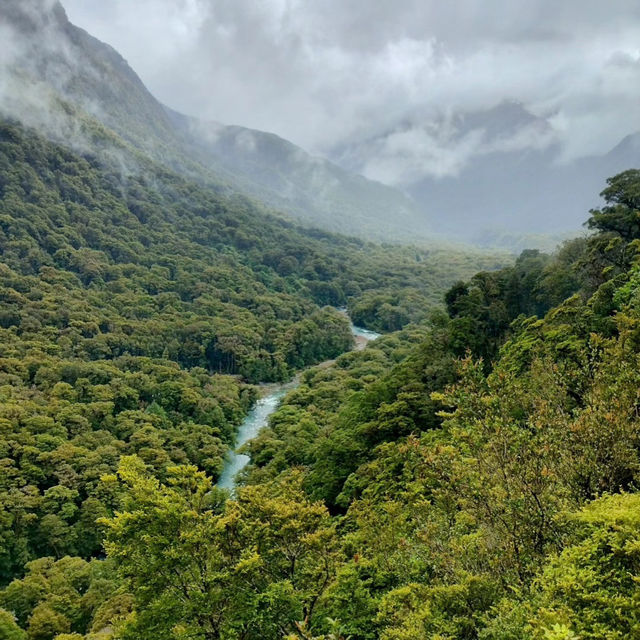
[[364, 333], [258, 418], [255, 420]]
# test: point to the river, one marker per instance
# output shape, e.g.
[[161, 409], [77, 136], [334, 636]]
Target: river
[[258, 417]]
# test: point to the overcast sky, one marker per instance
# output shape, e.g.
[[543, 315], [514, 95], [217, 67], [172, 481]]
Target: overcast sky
[[324, 73]]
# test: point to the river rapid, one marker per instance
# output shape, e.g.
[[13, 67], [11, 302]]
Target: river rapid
[[258, 417]]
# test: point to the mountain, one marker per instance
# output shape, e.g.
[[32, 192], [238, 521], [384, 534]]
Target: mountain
[[309, 188], [52, 70], [488, 173], [627, 152], [486, 176]]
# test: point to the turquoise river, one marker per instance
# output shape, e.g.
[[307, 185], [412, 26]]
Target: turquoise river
[[258, 417]]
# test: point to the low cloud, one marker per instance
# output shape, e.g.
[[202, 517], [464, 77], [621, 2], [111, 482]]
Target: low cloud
[[331, 74], [37, 66], [440, 149]]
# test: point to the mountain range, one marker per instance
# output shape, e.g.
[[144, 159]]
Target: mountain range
[[52, 71], [472, 473], [487, 175], [426, 179]]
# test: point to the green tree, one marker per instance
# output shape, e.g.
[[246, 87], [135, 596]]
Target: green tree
[[621, 215], [251, 568], [9, 630]]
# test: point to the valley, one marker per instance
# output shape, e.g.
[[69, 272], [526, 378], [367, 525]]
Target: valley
[[248, 394]]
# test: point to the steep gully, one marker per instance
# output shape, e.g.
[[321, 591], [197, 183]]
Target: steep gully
[[258, 417]]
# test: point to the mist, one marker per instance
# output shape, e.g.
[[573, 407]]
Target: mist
[[483, 119], [326, 75]]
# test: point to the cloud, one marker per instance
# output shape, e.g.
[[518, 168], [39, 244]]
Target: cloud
[[443, 148], [333, 74], [24, 94], [44, 79]]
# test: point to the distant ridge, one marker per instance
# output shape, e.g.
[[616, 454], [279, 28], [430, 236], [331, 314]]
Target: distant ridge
[[516, 181]]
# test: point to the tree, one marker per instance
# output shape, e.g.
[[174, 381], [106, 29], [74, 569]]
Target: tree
[[590, 590], [250, 568], [9, 630], [621, 215]]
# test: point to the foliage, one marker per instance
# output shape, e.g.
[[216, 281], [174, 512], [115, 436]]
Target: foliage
[[621, 215], [471, 475], [249, 569]]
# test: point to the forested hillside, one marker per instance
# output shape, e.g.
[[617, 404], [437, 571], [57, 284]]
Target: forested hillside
[[137, 311], [472, 477], [471, 474]]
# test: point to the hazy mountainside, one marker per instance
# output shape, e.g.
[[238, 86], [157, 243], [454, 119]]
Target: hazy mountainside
[[488, 173], [48, 61], [445, 167], [309, 188], [627, 152], [536, 194]]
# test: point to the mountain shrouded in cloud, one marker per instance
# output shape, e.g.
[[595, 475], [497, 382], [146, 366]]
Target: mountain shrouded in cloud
[[322, 74], [400, 91], [489, 174], [54, 76], [444, 145]]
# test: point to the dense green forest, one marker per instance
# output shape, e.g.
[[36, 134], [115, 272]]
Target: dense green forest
[[469, 475], [472, 476], [138, 312]]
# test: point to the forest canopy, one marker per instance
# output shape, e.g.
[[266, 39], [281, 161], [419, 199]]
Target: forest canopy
[[471, 474], [138, 311]]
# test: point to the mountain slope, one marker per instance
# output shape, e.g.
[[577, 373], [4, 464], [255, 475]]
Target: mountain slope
[[49, 61], [522, 191], [309, 188]]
